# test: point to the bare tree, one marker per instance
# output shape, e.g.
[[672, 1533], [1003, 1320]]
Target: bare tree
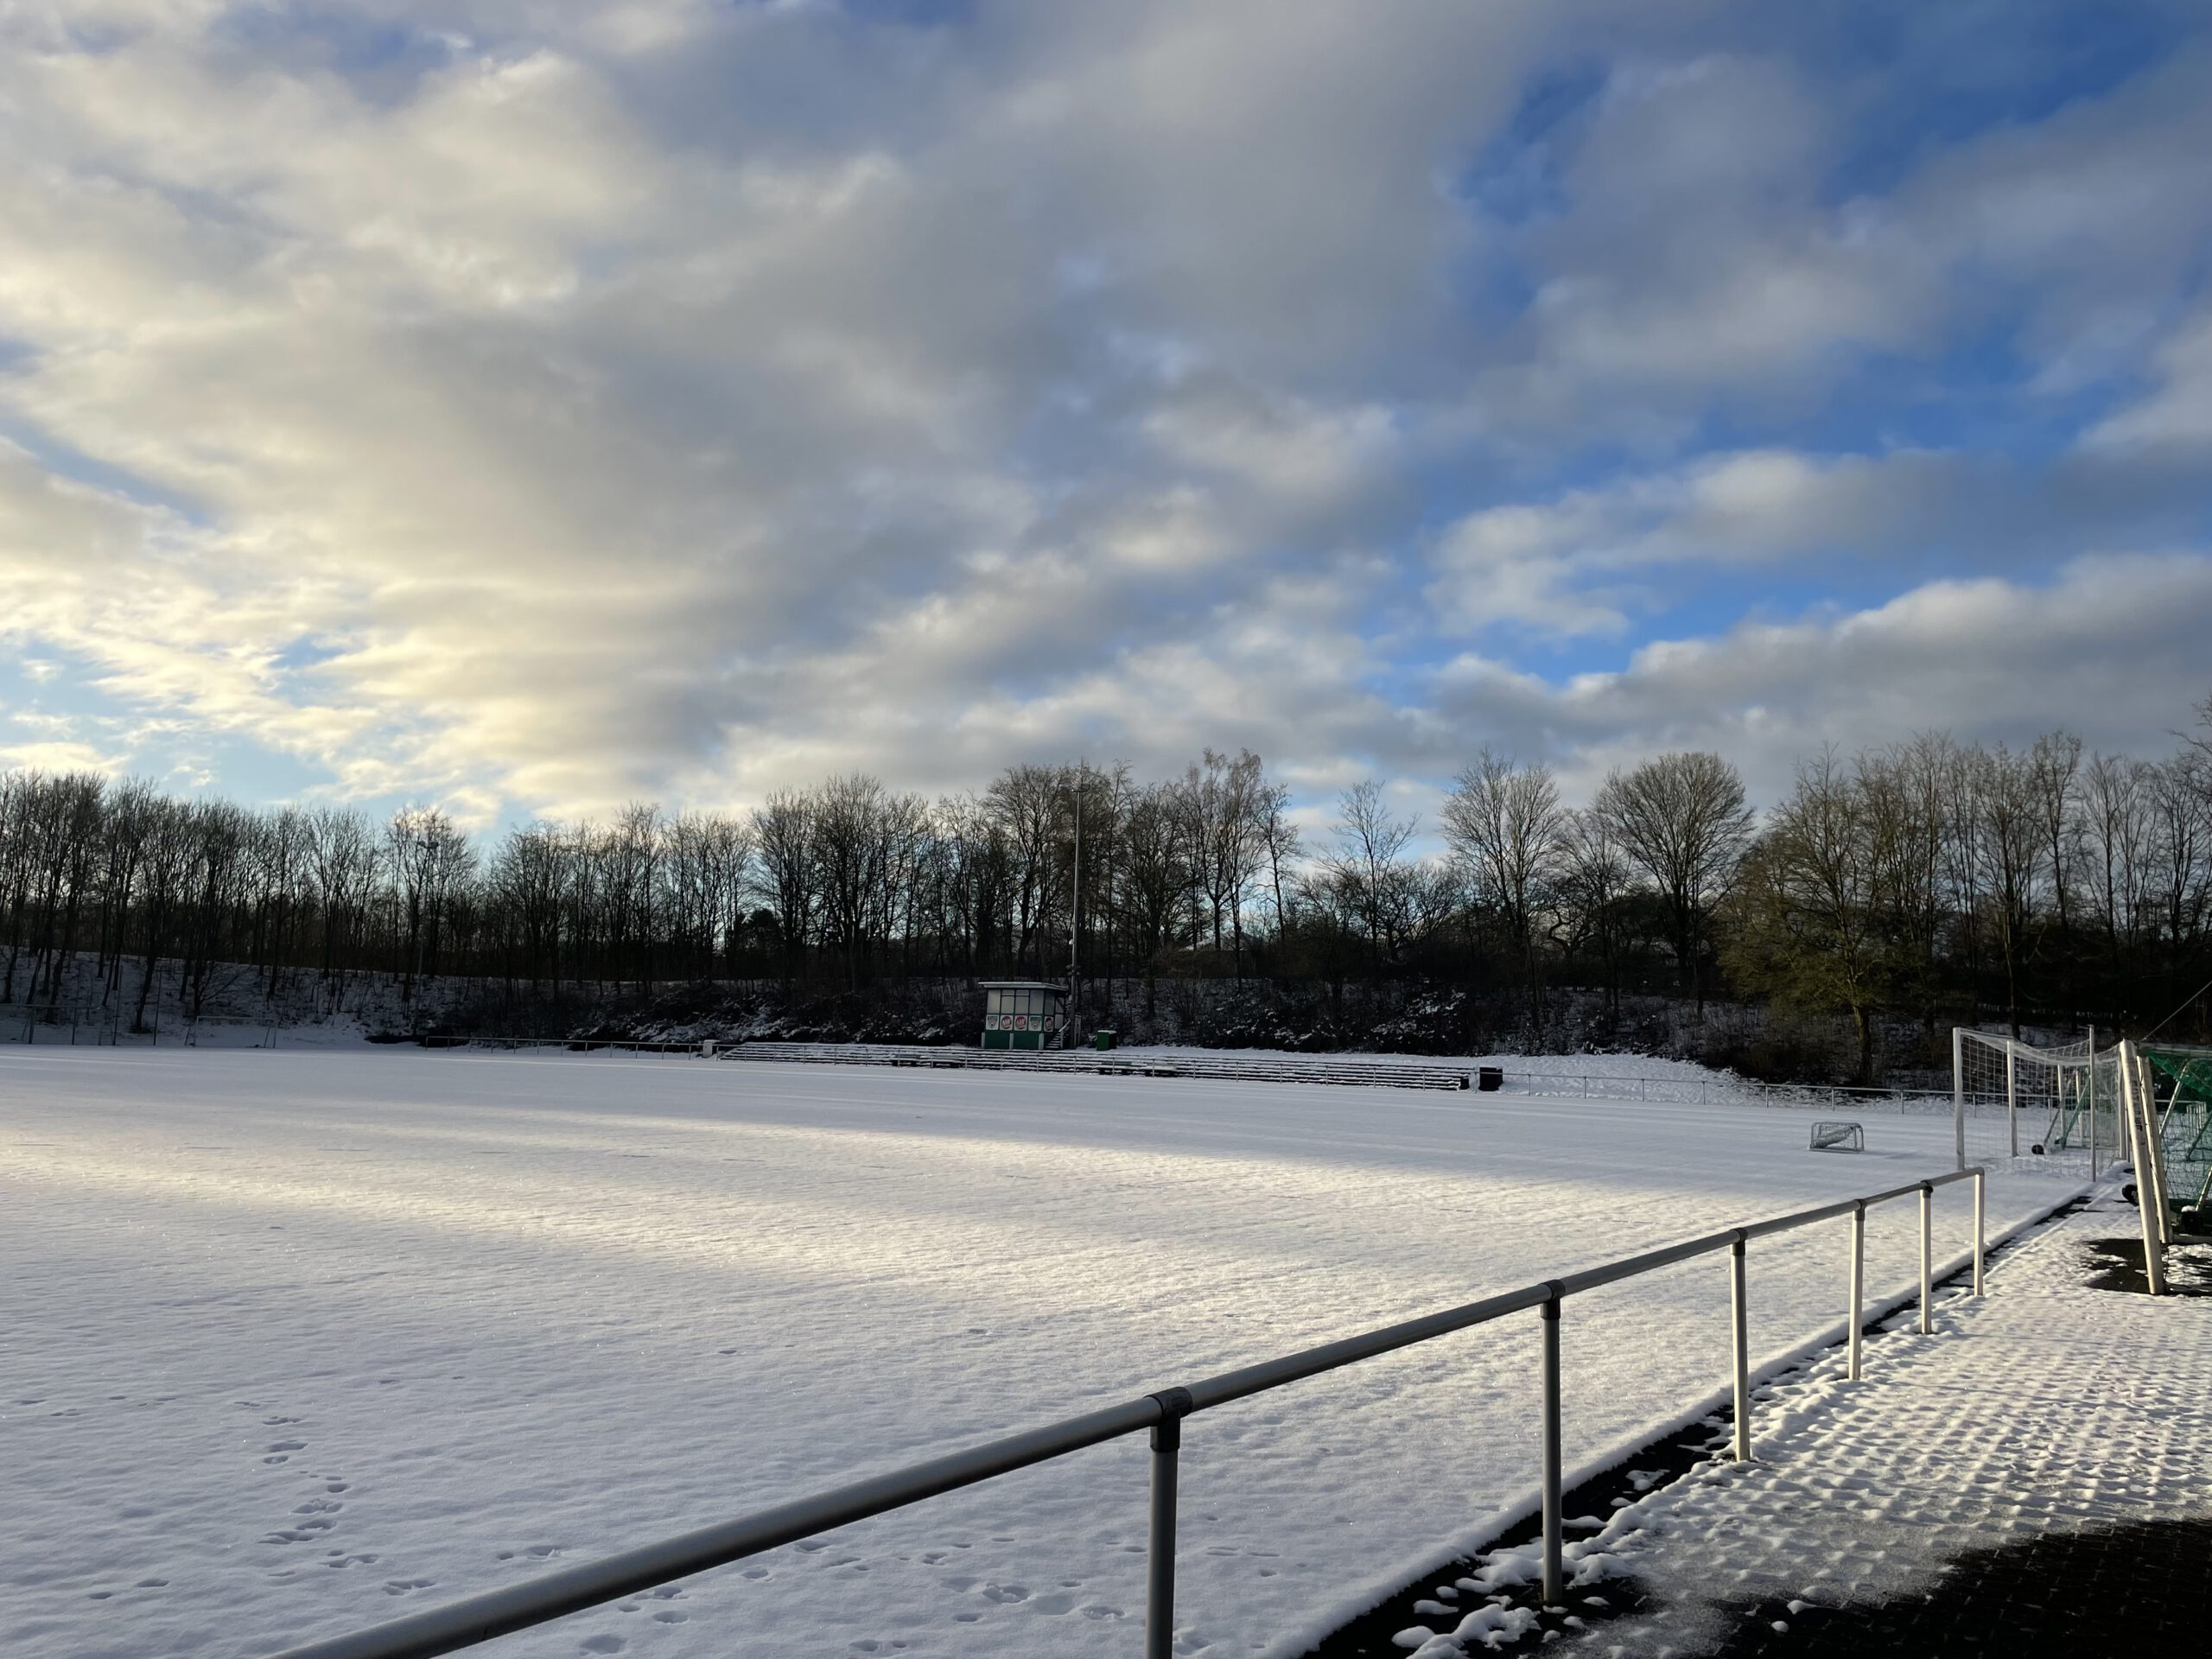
[[2009, 845], [1809, 928], [1371, 878], [430, 859], [1594, 882], [783, 831], [1280, 842], [1904, 791], [2118, 837], [1684, 820], [1504, 824]]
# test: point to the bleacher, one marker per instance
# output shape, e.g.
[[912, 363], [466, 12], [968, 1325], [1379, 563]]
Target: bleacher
[[1352, 1070]]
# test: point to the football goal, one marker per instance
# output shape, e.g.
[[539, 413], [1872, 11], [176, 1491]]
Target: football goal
[[2058, 1109], [2078, 1110]]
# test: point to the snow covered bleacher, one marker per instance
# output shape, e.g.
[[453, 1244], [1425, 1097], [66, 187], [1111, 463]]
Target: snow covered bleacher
[[1360, 1070]]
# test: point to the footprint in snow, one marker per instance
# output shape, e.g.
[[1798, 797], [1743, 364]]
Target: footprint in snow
[[602, 1644], [1004, 1593], [305, 1532]]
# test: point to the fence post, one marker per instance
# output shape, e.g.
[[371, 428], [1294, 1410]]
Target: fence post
[[1743, 1347], [1555, 1569], [1927, 1256], [1980, 1207], [1160, 1561], [1857, 1283]]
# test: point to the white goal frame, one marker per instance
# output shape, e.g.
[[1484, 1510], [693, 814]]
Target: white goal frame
[[2079, 1077]]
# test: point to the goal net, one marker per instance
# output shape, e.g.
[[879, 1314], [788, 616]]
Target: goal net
[[2056, 1109], [2178, 1083]]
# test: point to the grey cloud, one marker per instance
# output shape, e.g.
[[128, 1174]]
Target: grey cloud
[[702, 399], [2112, 650]]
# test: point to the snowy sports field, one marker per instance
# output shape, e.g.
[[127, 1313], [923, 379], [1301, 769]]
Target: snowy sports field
[[297, 1341]]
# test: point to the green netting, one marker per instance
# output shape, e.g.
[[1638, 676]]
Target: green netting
[[2186, 1106]]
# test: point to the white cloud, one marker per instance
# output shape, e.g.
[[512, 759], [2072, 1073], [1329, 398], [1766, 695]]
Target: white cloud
[[2175, 421], [550, 406], [2111, 649]]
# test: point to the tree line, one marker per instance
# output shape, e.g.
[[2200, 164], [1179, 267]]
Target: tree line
[[1928, 880]]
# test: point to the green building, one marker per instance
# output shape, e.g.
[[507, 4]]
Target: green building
[[1024, 1014]]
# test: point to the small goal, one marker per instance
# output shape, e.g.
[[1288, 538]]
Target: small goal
[[1834, 1135]]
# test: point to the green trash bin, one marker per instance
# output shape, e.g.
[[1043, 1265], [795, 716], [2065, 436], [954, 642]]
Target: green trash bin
[[1101, 1040]]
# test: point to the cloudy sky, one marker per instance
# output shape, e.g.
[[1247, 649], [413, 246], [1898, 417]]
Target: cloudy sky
[[531, 406]]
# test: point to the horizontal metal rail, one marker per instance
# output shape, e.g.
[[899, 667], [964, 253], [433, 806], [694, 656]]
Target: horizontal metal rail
[[480, 1618]]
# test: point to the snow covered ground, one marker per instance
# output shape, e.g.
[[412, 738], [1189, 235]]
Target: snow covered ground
[[298, 1341], [2047, 1407]]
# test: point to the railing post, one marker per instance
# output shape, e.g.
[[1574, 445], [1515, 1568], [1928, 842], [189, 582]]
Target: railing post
[[1554, 1567], [1160, 1561], [1743, 1348], [1927, 1257], [1857, 1284], [1980, 1231]]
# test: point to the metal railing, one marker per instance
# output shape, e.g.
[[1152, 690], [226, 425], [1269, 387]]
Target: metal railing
[[500, 1612]]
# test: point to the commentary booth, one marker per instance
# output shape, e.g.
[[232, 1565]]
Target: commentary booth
[[1024, 1014]]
